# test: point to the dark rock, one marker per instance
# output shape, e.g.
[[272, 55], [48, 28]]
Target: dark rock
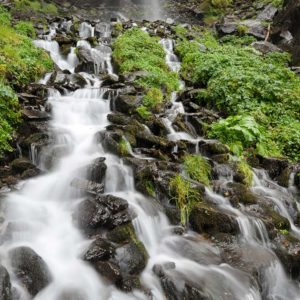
[[132, 258], [118, 118], [100, 249], [111, 271], [274, 166], [113, 203], [20, 165], [268, 13], [91, 215], [5, 285], [265, 47], [30, 269], [87, 186], [129, 283], [120, 218], [30, 113], [96, 170], [284, 178], [126, 103], [212, 148], [206, 219], [109, 79], [31, 173], [68, 81], [121, 234]]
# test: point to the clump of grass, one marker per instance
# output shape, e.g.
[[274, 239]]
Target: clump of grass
[[198, 168], [124, 147], [244, 168], [185, 196], [143, 112], [25, 28]]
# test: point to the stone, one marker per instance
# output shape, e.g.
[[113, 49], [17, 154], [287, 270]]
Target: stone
[[113, 203], [132, 258], [5, 285], [265, 47], [30, 269], [87, 186], [268, 13], [32, 114], [110, 270], [100, 249], [126, 103], [20, 165], [96, 170], [210, 148]]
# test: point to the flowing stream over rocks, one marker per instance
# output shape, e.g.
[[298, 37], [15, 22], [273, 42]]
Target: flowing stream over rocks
[[61, 238]]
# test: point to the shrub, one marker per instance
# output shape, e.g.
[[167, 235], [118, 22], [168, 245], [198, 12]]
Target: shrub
[[25, 28], [197, 168], [244, 168]]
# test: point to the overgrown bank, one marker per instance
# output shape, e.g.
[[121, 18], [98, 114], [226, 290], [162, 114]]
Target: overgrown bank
[[20, 63]]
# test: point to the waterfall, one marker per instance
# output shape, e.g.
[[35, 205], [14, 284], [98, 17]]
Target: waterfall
[[152, 9]]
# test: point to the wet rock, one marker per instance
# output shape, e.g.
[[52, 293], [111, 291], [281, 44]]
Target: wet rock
[[129, 283], [120, 218], [87, 186], [206, 219], [113, 203], [87, 61], [100, 249], [265, 47], [68, 81], [30, 113], [132, 258], [110, 270], [284, 178], [30, 269], [31, 173], [118, 118], [109, 79], [110, 141], [127, 103], [121, 234], [274, 166], [21, 165], [212, 148], [96, 170], [146, 140], [91, 215], [268, 13], [5, 285]]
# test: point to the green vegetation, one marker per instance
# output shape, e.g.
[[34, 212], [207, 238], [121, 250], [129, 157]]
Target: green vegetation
[[185, 196], [143, 112], [28, 6], [124, 147], [134, 51], [20, 63], [258, 93], [221, 3], [198, 168], [245, 170], [25, 28]]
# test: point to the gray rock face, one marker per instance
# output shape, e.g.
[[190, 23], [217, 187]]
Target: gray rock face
[[265, 47], [30, 269], [5, 285], [268, 13]]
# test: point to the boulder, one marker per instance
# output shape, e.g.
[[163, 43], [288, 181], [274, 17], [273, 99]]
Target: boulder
[[206, 219], [96, 170], [31, 114], [127, 103], [21, 165], [100, 249], [110, 270], [268, 13], [274, 166], [113, 203], [68, 81], [88, 186], [265, 47], [30, 269], [5, 285], [211, 148], [132, 258]]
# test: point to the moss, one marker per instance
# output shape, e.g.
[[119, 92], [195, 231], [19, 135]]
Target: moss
[[122, 234], [242, 29], [246, 172], [198, 168], [185, 196], [153, 99], [143, 112], [149, 186]]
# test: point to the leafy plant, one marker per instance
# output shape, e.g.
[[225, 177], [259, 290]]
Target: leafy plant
[[244, 168], [153, 98], [124, 147], [143, 112], [26, 28], [198, 168]]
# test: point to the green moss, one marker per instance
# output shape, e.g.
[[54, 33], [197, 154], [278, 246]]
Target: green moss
[[184, 195], [149, 188], [242, 29], [153, 99], [198, 168], [35, 6]]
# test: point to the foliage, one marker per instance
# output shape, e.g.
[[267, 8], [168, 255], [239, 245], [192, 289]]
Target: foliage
[[135, 50], [25, 28], [124, 147], [244, 168], [9, 116], [143, 112], [221, 3], [258, 92], [153, 98], [35, 6], [185, 196], [5, 17], [197, 168]]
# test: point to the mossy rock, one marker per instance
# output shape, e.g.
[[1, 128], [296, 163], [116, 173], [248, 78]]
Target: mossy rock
[[122, 234], [207, 219]]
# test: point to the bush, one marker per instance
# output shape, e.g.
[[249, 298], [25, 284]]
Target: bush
[[198, 168], [260, 89], [25, 28], [5, 17]]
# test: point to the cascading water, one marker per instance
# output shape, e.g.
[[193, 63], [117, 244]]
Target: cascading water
[[45, 205]]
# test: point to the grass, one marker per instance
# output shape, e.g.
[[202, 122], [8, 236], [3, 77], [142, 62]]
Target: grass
[[244, 168], [198, 168], [185, 196], [40, 7]]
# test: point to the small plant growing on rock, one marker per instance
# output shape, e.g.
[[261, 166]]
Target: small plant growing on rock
[[198, 168], [124, 147], [221, 3], [143, 112], [185, 196], [246, 172]]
